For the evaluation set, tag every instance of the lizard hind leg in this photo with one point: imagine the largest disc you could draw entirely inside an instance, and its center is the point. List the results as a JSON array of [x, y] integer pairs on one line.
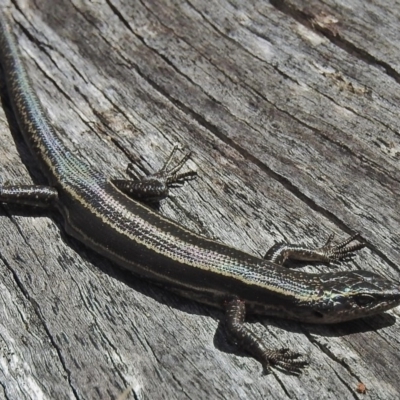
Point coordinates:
[[155, 187]]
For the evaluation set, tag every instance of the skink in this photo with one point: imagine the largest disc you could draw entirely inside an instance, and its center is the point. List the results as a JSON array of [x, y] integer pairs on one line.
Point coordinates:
[[110, 217]]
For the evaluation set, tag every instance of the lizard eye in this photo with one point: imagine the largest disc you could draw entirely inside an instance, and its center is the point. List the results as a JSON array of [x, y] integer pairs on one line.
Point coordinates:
[[364, 299]]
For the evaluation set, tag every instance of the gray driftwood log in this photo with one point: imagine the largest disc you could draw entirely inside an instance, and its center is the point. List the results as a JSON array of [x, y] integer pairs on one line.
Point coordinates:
[[292, 111]]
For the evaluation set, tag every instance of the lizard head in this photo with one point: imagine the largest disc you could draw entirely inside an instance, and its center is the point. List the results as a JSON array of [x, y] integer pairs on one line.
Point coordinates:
[[351, 295]]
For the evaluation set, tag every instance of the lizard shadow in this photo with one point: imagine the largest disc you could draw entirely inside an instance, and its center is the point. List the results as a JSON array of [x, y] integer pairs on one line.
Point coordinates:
[[309, 331], [362, 325]]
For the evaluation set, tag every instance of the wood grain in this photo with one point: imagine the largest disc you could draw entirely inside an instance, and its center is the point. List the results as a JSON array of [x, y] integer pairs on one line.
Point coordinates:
[[291, 110]]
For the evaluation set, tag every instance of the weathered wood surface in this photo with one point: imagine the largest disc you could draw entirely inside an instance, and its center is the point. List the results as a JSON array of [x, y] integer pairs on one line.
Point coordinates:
[[291, 109]]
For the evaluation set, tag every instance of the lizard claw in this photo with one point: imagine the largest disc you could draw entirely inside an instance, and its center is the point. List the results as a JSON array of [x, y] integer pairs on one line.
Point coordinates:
[[285, 359], [341, 251], [170, 174]]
